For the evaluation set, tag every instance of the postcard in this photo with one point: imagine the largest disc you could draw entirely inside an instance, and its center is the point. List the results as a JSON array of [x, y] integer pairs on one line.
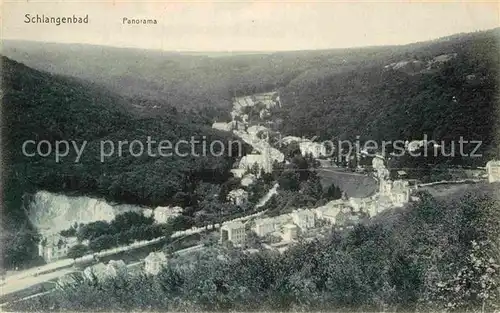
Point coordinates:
[[331, 156]]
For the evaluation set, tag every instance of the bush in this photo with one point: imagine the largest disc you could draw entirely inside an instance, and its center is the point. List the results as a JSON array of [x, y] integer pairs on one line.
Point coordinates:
[[77, 251], [102, 243]]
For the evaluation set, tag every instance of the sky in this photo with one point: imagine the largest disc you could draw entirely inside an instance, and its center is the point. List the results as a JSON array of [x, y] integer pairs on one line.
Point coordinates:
[[249, 26]]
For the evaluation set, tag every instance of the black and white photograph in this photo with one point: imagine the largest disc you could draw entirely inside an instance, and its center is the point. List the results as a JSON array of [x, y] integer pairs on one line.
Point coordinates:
[[250, 156]]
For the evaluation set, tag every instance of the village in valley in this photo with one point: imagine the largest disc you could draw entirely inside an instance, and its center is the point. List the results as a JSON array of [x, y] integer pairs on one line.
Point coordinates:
[[250, 233]]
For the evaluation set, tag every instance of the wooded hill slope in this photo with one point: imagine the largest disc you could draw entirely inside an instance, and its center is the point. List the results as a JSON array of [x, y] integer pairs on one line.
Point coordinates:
[[41, 106], [443, 89]]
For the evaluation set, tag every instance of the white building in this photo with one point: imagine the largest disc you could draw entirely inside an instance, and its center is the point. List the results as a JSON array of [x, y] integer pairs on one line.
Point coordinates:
[[493, 171], [357, 204], [365, 205], [262, 146], [246, 101], [402, 174], [266, 100], [268, 225], [328, 215], [306, 146], [378, 165], [329, 211], [264, 226], [154, 263], [304, 219], [290, 232], [385, 187], [233, 232], [372, 207], [238, 196], [397, 191], [240, 102], [223, 126], [238, 125], [378, 162], [314, 148]]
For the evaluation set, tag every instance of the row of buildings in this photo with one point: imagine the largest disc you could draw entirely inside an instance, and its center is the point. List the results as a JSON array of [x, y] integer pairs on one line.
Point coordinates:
[[336, 212], [286, 226], [152, 265]]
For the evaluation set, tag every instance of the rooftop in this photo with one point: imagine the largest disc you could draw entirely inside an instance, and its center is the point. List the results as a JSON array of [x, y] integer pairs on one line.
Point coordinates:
[[233, 225]]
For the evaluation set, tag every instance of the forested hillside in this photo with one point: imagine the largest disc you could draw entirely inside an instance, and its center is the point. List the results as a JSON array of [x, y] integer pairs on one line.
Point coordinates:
[[443, 89], [433, 256]]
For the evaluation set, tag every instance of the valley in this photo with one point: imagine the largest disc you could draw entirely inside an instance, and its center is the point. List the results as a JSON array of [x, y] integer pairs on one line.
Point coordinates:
[[287, 222]]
